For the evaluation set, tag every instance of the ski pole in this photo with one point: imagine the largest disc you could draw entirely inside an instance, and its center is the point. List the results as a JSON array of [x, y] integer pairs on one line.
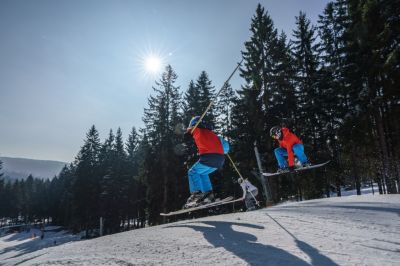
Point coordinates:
[[234, 166], [212, 101]]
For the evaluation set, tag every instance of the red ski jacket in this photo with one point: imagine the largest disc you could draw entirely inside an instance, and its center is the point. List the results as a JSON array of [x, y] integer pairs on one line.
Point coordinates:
[[207, 141], [289, 139]]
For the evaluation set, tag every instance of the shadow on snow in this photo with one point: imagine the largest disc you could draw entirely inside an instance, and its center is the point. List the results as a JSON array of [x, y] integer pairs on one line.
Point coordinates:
[[244, 245]]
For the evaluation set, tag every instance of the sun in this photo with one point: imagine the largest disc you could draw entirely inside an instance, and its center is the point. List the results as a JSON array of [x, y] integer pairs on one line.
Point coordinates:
[[149, 62], [153, 64]]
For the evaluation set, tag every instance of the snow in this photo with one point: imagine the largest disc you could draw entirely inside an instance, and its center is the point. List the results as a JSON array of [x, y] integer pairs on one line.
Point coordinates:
[[352, 230], [15, 245], [364, 190]]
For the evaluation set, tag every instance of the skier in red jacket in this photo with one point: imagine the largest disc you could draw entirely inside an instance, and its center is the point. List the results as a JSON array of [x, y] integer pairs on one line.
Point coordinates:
[[211, 149], [289, 145]]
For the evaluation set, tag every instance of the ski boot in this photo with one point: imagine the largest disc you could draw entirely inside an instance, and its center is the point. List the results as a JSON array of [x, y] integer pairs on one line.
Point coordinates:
[[207, 197], [283, 170], [193, 200]]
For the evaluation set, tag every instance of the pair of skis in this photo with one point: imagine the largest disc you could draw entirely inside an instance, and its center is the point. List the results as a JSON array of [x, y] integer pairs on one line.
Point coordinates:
[[220, 202]]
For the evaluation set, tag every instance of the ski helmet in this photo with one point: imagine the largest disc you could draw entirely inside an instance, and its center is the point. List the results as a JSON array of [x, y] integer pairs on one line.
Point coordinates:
[[275, 131], [202, 124], [193, 121]]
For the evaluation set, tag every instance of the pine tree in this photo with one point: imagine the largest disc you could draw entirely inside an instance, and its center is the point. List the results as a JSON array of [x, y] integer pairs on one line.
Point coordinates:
[[310, 117], [192, 105], [332, 28], [106, 155], [223, 110], [306, 66], [258, 72], [2, 191], [123, 177], [1, 167], [16, 201], [110, 183], [27, 188], [86, 188], [136, 190], [259, 57], [61, 199], [283, 107], [163, 187], [206, 94], [131, 148], [146, 168], [257, 107]]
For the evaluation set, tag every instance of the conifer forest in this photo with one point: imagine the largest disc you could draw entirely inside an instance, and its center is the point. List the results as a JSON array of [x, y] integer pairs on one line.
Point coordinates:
[[335, 84]]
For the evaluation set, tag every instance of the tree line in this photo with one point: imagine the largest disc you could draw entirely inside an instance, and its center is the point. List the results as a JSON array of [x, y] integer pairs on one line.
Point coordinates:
[[334, 84]]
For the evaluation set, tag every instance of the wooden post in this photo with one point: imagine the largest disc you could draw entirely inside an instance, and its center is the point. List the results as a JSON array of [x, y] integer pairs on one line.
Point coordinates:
[[263, 179], [101, 226]]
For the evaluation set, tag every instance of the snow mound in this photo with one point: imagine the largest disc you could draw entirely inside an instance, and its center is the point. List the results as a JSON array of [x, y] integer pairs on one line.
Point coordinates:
[[353, 230]]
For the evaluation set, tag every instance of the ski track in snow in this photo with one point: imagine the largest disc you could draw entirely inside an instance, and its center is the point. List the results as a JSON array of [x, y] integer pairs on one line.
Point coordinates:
[[354, 230]]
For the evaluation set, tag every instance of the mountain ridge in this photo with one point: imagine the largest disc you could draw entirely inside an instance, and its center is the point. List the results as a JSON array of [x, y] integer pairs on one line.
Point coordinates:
[[21, 168]]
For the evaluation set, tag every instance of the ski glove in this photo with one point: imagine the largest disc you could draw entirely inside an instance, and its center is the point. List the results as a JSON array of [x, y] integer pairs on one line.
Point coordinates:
[[187, 136]]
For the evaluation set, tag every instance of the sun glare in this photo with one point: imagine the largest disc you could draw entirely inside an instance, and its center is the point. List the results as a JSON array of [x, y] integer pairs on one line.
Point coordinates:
[[153, 64], [150, 62]]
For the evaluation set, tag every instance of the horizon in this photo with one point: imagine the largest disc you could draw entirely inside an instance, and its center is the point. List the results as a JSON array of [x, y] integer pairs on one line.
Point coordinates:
[[23, 158]]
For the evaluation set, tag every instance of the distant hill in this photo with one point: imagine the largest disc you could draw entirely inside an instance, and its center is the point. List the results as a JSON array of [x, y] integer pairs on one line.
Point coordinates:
[[21, 168]]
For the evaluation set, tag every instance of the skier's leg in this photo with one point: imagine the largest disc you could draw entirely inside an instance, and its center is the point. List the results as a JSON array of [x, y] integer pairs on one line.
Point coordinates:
[[204, 172], [194, 177], [200, 181], [280, 154], [298, 150]]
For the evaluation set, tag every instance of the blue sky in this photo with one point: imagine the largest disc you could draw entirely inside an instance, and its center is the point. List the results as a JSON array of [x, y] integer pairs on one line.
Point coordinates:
[[66, 65]]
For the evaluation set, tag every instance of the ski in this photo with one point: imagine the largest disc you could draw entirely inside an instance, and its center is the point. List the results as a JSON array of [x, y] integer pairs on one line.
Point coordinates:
[[297, 169], [226, 200]]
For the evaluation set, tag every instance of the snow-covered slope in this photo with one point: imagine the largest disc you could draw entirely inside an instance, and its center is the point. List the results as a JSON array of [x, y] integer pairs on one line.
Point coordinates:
[[354, 230]]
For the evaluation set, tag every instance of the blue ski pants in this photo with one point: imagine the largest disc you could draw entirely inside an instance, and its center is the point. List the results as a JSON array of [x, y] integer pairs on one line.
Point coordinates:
[[281, 154], [199, 179]]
